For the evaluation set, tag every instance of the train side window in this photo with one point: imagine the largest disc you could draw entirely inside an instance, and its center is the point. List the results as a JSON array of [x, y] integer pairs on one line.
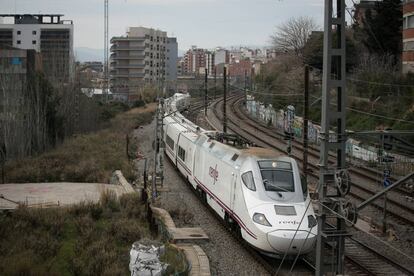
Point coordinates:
[[304, 184], [170, 142], [181, 153], [248, 181]]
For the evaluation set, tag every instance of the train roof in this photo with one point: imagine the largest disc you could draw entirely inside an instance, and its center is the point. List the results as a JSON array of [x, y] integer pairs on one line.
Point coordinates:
[[262, 152]]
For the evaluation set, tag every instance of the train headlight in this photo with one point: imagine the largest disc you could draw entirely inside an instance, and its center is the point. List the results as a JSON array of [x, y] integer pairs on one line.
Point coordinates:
[[261, 219]]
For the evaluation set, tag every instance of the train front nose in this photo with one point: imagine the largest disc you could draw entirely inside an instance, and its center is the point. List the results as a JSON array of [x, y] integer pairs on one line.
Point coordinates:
[[281, 241]]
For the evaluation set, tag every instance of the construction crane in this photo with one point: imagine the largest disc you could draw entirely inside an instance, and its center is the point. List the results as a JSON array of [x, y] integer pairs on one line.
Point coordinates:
[[106, 52]]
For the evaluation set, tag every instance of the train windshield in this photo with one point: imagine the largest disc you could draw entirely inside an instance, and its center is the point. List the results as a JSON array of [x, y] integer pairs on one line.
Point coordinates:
[[277, 176]]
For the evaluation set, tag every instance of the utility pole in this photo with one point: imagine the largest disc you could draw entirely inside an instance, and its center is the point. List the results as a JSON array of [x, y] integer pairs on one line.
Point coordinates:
[[305, 123], [251, 79], [245, 87], [215, 81], [106, 50], [158, 176], [205, 92], [333, 119], [225, 99]]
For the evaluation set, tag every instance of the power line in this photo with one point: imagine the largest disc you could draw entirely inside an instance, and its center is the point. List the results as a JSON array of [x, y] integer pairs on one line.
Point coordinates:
[[376, 115]]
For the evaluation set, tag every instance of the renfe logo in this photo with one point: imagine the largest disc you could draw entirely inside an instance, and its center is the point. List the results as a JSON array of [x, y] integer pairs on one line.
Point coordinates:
[[213, 173]]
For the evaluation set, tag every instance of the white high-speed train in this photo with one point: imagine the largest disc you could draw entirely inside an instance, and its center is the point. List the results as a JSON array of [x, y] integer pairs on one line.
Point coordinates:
[[259, 192]]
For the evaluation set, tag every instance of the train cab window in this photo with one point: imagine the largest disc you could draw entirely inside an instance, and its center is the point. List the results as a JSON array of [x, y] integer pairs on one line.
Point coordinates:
[[248, 181], [181, 153], [170, 142], [277, 176]]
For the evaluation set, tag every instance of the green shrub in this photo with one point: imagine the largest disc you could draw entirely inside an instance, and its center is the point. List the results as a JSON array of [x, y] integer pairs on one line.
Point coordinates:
[[109, 200]]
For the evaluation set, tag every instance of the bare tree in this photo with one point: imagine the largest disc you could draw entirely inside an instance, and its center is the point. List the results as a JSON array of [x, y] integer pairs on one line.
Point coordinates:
[[291, 36]]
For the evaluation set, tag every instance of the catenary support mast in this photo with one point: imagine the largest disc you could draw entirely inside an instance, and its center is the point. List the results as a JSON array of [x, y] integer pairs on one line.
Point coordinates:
[[333, 138]]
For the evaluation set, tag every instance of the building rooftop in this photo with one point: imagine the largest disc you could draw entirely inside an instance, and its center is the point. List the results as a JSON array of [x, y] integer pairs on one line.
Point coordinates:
[[35, 19]]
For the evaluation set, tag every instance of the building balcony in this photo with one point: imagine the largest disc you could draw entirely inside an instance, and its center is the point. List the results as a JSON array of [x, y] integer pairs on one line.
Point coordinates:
[[128, 66], [115, 48], [123, 75], [121, 38], [126, 57]]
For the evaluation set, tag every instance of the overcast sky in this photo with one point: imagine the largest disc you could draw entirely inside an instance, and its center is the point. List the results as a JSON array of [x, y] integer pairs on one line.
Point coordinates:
[[205, 23]]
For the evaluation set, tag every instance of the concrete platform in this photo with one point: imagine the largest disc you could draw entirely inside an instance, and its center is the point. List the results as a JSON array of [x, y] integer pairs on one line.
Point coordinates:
[[189, 235], [54, 194], [183, 235], [197, 258]]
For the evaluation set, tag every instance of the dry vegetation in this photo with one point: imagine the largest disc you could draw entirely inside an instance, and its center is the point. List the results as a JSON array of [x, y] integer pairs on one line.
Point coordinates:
[[84, 158], [86, 239]]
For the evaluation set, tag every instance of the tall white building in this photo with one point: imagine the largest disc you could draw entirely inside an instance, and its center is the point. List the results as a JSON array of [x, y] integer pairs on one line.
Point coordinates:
[[48, 35], [136, 59], [221, 56]]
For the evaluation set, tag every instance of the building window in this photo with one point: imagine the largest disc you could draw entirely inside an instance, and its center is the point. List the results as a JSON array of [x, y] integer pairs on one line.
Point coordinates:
[[19, 42], [19, 32], [181, 153], [34, 32], [33, 42], [408, 22], [409, 46]]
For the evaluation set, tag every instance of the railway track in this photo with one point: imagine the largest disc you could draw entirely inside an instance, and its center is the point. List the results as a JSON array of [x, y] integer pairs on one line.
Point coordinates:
[[361, 259], [358, 168], [400, 211], [372, 262]]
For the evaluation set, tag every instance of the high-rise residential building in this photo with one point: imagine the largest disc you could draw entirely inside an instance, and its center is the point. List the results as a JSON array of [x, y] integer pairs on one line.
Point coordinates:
[[137, 59], [196, 60], [408, 36], [172, 58], [48, 35], [210, 62]]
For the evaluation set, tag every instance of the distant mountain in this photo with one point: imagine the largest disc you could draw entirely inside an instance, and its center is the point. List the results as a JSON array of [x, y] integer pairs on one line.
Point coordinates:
[[83, 54]]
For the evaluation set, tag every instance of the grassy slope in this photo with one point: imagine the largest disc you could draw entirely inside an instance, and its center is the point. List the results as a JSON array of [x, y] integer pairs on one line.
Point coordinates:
[[84, 158], [86, 239]]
